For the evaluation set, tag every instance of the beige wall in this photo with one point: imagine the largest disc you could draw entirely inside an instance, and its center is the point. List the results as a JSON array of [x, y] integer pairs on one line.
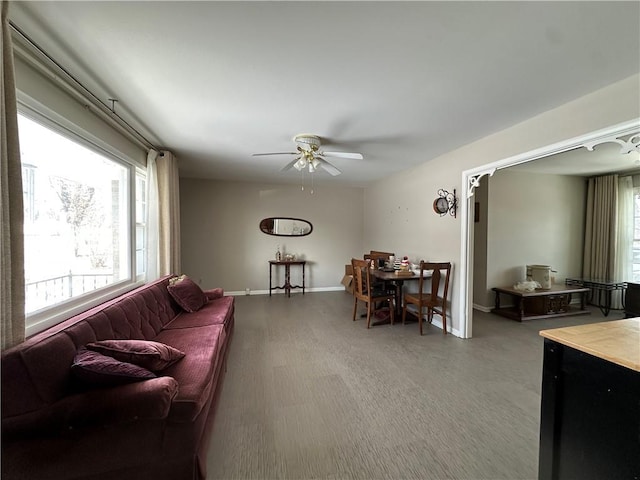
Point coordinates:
[[533, 219], [223, 247], [398, 210]]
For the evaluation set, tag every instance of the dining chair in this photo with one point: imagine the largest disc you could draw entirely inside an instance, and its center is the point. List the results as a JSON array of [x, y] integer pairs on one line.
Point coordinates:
[[366, 291], [430, 300], [377, 257], [385, 255]]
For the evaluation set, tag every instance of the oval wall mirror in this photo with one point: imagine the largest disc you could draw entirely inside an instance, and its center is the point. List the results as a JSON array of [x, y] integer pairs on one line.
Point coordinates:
[[285, 226]]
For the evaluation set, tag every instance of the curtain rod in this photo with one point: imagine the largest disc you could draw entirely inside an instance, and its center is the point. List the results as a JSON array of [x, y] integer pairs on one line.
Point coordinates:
[[82, 91]]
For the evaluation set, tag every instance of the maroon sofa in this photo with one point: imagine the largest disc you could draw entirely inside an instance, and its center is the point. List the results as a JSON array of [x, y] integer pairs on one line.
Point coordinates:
[[152, 429]]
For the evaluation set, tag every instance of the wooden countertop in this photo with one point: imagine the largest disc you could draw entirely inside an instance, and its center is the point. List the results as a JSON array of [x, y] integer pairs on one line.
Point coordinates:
[[617, 341]]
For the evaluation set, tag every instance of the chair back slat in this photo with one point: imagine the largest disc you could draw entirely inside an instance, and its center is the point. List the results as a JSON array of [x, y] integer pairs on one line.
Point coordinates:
[[435, 282]]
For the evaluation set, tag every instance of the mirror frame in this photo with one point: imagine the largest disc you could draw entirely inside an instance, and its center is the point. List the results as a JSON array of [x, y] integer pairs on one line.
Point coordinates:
[[284, 234]]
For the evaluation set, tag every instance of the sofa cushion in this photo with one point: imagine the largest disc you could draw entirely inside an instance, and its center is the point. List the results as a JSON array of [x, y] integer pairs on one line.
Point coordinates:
[[154, 356], [195, 373], [216, 312], [96, 369], [187, 293]]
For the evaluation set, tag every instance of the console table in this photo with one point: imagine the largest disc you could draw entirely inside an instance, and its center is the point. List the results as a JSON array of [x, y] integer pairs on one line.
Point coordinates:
[[554, 302], [287, 275], [604, 289]]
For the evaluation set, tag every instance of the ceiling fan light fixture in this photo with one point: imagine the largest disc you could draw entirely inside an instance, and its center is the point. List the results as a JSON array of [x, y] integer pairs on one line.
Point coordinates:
[[300, 164]]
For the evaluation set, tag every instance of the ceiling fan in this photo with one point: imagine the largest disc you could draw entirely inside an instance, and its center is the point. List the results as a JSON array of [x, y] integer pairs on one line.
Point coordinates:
[[309, 155]]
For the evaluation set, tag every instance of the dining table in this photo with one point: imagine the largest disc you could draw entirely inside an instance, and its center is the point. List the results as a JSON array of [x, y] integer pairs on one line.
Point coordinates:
[[397, 278]]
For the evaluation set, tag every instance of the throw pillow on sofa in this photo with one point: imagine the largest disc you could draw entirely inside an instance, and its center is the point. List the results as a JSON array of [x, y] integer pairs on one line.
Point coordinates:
[[96, 369], [154, 356], [187, 293]]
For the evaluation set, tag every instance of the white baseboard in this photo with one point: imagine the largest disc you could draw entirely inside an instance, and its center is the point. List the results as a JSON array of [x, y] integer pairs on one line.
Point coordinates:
[[482, 308], [293, 290], [452, 331]]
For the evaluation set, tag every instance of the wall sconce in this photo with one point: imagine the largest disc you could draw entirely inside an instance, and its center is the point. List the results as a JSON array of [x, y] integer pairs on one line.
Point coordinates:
[[446, 202]]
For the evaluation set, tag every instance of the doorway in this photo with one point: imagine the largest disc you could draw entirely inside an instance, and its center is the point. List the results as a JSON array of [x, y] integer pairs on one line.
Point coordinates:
[[472, 178]]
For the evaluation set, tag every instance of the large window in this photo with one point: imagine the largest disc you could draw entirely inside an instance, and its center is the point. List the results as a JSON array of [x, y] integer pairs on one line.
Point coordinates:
[[78, 231]]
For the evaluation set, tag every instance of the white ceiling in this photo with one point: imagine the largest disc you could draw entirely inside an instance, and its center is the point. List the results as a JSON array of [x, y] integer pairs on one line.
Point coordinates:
[[400, 82]]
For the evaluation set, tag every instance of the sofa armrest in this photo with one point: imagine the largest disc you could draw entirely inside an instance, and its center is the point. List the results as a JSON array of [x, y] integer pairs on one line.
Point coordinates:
[[214, 293], [146, 400], [149, 400]]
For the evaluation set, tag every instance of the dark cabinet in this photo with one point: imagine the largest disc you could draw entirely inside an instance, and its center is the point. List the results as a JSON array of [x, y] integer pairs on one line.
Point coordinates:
[[590, 415], [632, 301]]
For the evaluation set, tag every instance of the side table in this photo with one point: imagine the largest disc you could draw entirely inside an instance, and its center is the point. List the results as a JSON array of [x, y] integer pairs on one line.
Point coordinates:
[[603, 288], [287, 275]]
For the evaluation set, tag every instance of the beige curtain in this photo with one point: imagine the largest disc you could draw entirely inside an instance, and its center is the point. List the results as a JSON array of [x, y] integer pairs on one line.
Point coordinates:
[[11, 210], [623, 266], [152, 239], [601, 227], [169, 213]]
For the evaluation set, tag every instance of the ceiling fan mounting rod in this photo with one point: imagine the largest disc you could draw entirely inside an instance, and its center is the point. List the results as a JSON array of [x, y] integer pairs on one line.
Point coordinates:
[[311, 142]]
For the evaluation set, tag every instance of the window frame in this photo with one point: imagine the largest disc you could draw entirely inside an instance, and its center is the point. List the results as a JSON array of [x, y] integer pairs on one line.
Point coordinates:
[[46, 317], [636, 224], [140, 174]]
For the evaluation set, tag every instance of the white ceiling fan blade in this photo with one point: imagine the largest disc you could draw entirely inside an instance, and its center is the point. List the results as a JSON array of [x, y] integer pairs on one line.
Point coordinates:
[[274, 153], [290, 165], [355, 156], [328, 167]]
